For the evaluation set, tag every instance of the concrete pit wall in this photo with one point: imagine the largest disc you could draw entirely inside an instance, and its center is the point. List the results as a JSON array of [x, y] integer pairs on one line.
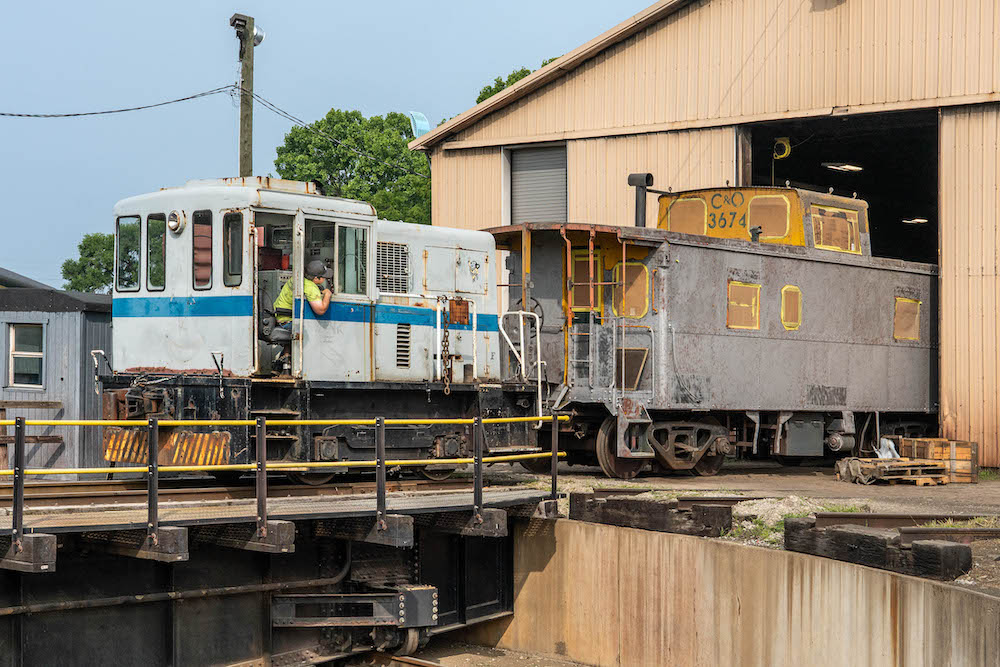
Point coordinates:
[[604, 595]]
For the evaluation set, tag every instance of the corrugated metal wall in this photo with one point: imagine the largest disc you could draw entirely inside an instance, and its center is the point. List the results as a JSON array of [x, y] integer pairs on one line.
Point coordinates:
[[728, 61], [96, 335], [467, 188], [970, 289], [598, 169]]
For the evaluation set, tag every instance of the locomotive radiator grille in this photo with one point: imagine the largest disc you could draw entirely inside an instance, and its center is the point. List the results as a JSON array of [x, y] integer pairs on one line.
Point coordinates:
[[392, 267]]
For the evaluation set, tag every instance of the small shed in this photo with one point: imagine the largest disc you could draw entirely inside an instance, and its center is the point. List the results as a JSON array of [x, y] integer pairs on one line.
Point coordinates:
[[47, 371]]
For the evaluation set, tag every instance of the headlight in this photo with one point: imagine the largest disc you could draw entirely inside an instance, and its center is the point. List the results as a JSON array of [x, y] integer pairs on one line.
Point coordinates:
[[175, 222]]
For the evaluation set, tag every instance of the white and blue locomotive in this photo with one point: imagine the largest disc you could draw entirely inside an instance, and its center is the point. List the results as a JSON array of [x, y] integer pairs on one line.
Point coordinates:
[[412, 329]]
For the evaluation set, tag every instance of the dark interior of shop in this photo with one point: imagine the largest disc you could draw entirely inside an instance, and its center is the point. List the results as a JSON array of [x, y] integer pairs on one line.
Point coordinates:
[[890, 160]]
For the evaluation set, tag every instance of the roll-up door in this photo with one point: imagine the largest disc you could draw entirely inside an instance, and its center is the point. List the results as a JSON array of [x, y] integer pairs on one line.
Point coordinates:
[[538, 185]]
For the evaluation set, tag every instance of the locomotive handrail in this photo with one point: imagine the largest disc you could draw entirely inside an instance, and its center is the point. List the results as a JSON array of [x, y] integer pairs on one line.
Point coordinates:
[[519, 352], [20, 471]]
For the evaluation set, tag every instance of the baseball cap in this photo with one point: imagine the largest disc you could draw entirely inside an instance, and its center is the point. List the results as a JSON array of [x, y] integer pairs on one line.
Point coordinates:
[[317, 268]]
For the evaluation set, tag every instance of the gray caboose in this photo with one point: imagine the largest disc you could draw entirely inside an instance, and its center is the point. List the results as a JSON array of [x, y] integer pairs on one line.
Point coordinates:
[[750, 318]]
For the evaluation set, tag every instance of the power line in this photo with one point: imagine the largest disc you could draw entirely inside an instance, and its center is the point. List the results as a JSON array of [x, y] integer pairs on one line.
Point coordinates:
[[312, 128], [214, 91]]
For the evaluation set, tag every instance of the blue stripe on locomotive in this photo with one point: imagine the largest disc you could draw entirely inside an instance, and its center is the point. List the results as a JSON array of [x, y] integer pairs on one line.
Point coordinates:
[[242, 306]]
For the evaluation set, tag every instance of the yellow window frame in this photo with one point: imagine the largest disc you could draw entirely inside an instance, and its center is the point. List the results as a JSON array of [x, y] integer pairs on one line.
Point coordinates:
[[788, 215], [598, 278], [754, 305], [617, 278], [785, 320], [855, 226], [895, 311], [704, 219]]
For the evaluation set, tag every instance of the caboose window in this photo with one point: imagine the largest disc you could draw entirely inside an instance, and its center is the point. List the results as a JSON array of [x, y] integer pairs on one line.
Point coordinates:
[[791, 307], [835, 229], [27, 350], [156, 251], [127, 262], [632, 298], [232, 249], [906, 320], [688, 216], [201, 249], [352, 260], [743, 305], [770, 213]]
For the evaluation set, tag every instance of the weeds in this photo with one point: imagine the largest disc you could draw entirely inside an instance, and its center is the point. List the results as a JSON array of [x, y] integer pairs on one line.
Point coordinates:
[[974, 522], [989, 474]]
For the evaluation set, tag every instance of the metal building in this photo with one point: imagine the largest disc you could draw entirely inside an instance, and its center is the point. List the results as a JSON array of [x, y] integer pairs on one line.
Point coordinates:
[[896, 100], [48, 373]]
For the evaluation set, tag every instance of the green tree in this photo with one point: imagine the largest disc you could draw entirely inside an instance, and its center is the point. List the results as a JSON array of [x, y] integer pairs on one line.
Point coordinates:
[[491, 89], [371, 162], [92, 270]]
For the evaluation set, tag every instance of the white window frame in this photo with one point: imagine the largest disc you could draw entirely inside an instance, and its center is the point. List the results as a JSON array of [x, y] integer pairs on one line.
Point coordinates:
[[12, 354], [370, 243]]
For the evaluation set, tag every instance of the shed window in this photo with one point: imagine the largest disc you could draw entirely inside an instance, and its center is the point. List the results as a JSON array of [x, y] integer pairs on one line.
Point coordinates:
[[127, 262], [582, 283], [688, 216], [232, 249], [27, 349], [352, 260], [392, 266], [634, 302], [791, 307], [743, 305], [201, 245], [156, 251], [770, 213], [835, 229], [906, 321]]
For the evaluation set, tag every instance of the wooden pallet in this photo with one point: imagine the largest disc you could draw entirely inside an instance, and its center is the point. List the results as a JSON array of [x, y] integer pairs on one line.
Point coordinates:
[[960, 457], [921, 472]]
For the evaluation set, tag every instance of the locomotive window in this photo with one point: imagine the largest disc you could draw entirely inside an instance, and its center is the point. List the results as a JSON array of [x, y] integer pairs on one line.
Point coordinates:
[[352, 260], [791, 307], [581, 282], [232, 249], [635, 302], [127, 264], [743, 305], [688, 216], [906, 322], [770, 213], [201, 249], [156, 251], [835, 229]]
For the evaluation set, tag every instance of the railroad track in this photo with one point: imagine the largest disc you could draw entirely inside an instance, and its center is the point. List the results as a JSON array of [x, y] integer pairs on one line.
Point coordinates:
[[113, 492]]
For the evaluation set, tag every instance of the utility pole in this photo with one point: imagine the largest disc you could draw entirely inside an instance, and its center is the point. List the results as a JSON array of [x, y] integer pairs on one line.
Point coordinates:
[[249, 37]]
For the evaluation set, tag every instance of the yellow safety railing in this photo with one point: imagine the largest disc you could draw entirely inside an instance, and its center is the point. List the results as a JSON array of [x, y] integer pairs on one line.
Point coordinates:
[[466, 421]]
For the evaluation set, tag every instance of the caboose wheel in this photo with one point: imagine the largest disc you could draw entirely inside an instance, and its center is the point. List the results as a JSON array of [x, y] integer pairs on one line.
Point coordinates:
[[437, 473], [607, 457], [709, 465], [311, 478]]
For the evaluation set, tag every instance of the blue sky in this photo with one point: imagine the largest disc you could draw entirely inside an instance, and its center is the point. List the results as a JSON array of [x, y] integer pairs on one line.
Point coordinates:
[[60, 178]]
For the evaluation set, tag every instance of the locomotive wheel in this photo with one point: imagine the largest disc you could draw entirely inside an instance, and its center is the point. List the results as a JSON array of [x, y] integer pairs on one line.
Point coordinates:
[[437, 473], [607, 457], [312, 478]]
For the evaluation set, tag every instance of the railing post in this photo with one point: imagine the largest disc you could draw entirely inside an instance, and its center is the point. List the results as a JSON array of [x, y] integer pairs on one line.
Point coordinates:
[[17, 525], [380, 472], [477, 469], [261, 485], [555, 455], [152, 480]]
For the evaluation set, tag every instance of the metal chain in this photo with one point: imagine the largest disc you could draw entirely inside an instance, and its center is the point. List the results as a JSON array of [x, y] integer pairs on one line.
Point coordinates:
[[446, 354]]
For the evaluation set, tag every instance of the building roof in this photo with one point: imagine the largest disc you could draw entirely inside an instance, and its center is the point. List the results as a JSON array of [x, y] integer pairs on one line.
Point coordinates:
[[10, 279], [550, 72], [48, 300]]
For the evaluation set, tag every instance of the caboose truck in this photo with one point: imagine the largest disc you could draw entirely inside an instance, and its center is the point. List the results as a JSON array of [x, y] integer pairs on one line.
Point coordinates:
[[411, 332], [752, 318]]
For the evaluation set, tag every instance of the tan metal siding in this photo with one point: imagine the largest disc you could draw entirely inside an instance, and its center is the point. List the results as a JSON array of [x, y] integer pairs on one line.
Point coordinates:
[[723, 62], [970, 289], [597, 170], [466, 188]]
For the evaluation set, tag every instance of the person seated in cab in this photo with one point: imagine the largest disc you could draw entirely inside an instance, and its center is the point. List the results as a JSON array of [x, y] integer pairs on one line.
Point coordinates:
[[316, 274]]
